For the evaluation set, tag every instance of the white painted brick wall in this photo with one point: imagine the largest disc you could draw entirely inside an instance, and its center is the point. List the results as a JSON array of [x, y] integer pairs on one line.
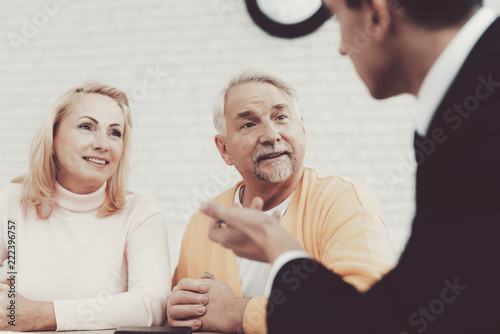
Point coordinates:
[[174, 157]]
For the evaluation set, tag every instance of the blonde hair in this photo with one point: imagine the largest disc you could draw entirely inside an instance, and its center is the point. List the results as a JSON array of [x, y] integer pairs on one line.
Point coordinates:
[[250, 74], [40, 180]]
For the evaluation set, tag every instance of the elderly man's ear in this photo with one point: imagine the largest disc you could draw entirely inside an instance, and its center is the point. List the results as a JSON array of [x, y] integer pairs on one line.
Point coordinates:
[[220, 142]]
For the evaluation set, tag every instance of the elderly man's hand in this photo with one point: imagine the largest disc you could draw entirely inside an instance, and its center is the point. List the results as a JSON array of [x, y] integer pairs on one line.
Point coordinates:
[[249, 232], [225, 310], [186, 303]]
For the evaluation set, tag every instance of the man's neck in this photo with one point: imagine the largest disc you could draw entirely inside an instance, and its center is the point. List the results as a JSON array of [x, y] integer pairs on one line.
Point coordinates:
[[421, 48], [273, 194]]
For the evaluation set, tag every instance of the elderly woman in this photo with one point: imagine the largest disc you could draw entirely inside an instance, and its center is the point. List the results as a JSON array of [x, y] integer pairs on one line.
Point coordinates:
[[78, 250]]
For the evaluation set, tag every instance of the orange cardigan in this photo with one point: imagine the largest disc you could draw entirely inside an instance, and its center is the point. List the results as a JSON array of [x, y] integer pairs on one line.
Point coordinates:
[[337, 221]]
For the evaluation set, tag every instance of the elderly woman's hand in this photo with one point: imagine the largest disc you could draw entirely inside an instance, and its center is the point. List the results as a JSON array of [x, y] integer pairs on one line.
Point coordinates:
[[18, 313]]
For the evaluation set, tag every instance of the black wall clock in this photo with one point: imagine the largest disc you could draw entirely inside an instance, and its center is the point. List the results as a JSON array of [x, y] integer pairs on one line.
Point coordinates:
[[288, 18]]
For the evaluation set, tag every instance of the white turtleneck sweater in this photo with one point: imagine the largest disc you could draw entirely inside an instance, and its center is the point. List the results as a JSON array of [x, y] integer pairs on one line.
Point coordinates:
[[99, 272]]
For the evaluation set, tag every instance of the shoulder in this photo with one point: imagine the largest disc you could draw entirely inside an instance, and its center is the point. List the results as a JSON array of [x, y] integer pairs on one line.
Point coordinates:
[[10, 202], [11, 194], [329, 189], [141, 205], [13, 189], [226, 198]]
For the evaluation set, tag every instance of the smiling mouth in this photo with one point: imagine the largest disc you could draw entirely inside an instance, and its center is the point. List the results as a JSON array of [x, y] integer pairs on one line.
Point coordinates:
[[272, 155], [97, 161]]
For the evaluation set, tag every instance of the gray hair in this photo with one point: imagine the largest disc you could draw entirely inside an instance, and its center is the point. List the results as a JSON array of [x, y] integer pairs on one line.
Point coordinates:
[[251, 74]]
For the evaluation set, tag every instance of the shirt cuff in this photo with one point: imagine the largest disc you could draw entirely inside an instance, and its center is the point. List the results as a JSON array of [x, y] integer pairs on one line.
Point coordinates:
[[280, 262]]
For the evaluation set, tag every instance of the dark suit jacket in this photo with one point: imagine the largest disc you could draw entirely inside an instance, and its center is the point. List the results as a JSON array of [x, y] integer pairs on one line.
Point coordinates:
[[448, 277]]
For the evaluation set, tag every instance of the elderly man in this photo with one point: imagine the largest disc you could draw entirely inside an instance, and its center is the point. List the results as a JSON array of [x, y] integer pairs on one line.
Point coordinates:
[[447, 53], [337, 220]]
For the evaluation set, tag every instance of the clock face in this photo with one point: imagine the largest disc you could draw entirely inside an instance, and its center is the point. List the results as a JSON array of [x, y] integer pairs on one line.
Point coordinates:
[[289, 11], [288, 18]]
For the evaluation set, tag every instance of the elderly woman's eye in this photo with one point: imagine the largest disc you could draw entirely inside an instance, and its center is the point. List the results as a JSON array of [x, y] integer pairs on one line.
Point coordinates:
[[85, 126], [116, 133]]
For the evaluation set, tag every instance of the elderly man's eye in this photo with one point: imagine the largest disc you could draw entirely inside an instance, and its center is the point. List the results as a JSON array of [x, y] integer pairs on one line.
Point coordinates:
[[247, 125]]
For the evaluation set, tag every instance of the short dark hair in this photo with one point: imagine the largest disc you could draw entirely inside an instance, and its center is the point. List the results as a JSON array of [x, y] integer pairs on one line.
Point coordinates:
[[432, 13]]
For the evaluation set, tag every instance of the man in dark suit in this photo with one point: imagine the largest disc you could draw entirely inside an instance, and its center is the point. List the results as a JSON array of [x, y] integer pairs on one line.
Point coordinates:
[[446, 52]]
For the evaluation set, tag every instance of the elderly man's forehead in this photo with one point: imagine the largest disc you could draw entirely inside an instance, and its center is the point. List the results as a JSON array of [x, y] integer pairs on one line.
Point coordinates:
[[256, 93]]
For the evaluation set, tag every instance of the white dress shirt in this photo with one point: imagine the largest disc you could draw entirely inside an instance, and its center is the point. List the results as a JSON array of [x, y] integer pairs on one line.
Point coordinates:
[[448, 64]]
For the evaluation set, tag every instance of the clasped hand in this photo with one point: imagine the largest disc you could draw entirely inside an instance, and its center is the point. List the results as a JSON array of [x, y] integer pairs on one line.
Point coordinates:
[[207, 304]]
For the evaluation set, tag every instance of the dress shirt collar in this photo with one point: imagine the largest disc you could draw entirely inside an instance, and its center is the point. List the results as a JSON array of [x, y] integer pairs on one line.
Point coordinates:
[[448, 64]]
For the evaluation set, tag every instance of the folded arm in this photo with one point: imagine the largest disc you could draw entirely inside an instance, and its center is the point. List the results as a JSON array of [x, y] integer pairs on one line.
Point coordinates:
[[144, 303]]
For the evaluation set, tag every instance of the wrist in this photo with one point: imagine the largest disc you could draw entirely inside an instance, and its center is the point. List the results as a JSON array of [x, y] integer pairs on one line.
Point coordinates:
[[44, 316], [238, 307], [280, 242]]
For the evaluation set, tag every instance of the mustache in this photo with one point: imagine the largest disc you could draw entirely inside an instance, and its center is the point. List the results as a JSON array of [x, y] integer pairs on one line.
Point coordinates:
[[270, 149]]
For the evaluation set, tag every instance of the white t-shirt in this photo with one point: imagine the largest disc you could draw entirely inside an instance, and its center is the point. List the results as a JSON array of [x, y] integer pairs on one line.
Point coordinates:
[[253, 274]]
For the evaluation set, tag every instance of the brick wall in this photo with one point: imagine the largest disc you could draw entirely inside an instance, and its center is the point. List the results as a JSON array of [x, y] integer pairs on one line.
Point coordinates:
[[192, 47]]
